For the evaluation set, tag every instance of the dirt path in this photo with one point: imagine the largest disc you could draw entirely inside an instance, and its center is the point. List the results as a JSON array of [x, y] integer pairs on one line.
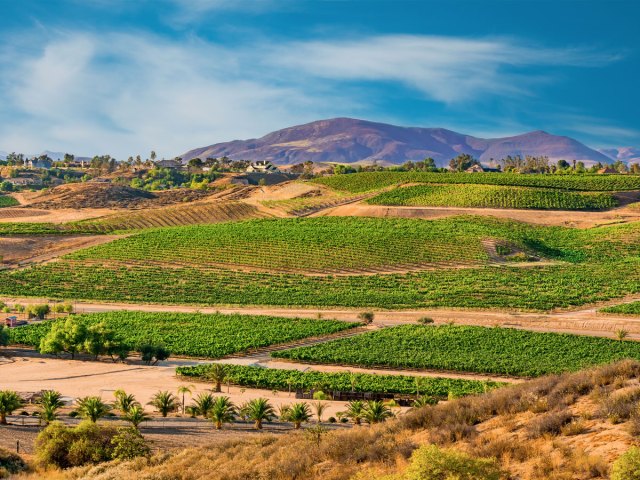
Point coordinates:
[[540, 217], [583, 321]]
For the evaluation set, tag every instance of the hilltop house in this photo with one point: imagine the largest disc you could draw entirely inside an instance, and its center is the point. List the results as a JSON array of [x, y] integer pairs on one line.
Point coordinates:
[[175, 164], [477, 168], [262, 166], [39, 163], [607, 170]]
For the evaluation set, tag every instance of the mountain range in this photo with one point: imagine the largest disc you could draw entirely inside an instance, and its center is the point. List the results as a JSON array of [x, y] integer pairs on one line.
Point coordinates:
[[353, 141]]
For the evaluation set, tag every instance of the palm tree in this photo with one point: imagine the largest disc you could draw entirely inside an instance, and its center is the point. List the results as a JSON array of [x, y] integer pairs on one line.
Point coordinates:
[[222, 411], [182, 390], [203, 404], [217, 374], [92, 408], [423, 401], [50, 403], [9, 401], [260, 410], [621, 334], [355, 411], [164, 402], [298, 413], [375, 411], [319, 407], [124, 402], [136, 415]]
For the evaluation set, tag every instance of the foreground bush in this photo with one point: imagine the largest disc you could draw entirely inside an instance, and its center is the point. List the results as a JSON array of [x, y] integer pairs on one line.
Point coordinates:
[[88, 443], [627, 466], [10, 464], [433, 463]]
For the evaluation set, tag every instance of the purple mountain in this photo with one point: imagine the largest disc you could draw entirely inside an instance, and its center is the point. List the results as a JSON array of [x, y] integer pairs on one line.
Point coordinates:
[[347, 140]]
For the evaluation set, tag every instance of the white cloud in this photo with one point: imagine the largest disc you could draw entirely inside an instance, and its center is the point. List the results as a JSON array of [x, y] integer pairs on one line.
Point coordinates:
[[124, 94], [446, 69]]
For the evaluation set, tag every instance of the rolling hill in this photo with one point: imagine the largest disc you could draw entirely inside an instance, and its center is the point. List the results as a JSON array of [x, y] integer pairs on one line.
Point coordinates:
[[347, 140]]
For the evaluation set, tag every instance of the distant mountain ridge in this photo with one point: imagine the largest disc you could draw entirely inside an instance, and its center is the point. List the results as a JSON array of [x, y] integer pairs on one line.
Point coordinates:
[[347, 140]]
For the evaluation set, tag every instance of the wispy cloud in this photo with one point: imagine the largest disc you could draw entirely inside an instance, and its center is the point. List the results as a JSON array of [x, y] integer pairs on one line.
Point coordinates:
[[447, 69], [125, 93]]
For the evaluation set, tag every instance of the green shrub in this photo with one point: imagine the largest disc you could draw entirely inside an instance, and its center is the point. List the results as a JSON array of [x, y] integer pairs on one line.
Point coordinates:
[[88, 443], [10, 463], [627, 466], [433, 463]]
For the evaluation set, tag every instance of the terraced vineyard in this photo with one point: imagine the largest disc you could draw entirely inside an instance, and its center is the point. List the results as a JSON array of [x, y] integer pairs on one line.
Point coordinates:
[[158, 266], [284, 380], [6, 201], [632, 308], [490, 196], [369, 181], [471, 349], [191, 214], [305, 205], [199, 335], [323, 246]]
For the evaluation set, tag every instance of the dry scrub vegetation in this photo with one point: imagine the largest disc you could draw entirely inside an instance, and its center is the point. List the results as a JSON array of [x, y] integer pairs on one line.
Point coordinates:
[[566, 426]]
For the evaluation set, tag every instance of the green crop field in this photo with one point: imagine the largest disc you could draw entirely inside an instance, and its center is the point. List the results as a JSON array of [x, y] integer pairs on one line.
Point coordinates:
[[6, 201], [472, 349], [370, 181], [199, 335], [285, 380], [632, 308], [172, 265], [492, 196]]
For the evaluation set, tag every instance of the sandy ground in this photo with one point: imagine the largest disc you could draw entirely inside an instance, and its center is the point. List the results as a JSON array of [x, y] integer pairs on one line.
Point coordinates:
[[539, 217], [23, 250], [36, 215]]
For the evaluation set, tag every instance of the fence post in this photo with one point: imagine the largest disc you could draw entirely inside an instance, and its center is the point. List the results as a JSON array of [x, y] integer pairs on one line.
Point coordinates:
[[17, 446]]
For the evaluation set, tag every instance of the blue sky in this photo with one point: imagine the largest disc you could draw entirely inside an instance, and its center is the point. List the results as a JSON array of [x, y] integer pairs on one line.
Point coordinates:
[[124, 77]]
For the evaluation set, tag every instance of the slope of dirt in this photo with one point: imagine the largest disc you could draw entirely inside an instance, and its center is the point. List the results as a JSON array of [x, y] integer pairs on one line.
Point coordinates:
[[565, 427], [107, 195]]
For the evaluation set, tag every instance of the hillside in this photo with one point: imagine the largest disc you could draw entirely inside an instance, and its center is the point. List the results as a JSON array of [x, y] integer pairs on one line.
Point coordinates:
[[563, 427], [346, 140]]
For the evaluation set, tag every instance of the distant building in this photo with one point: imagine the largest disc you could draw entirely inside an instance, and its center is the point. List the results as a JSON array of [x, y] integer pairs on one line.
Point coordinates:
[[607, 170], [39, 163], [477, 168], [24, 181], [262, 166], [169, 164]]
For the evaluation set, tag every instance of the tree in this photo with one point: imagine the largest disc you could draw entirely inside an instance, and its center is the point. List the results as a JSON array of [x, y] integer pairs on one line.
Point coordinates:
[[563, 164], [153, 156], [621, 334], [627, 466], [101, 340], [423, 401], [366, 317], [50, 403], [136, 415], [124, 402], [217, 374], [184, 389], [92, 408], [9, 402], [38, 311], [433, 463], [462, 162], [128, 444], [319, 407], [164, 402], [203, 404], [355, 411], [375, 411], [260, 410], [222, 411], [297, 414], [195, 163], [67, 337], [152, 354]]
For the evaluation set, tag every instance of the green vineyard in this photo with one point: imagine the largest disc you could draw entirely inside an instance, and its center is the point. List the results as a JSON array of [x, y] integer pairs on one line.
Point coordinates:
[[290, 380], [6, 201], [369, 181], [497, 350], [198, 335], [490, 196], [632, 308], [219, 265]]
